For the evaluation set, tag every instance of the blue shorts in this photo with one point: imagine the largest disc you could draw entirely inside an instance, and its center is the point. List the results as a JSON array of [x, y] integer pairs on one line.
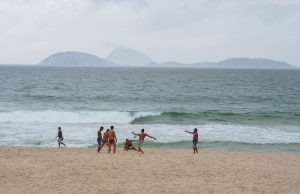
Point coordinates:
[[99, 141], [195, 144]]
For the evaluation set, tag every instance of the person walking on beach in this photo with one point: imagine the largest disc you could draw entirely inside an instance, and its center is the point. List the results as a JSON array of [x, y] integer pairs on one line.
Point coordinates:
[[195, 139], [142, 136], [112, 139], [60, 137], [99, 139]]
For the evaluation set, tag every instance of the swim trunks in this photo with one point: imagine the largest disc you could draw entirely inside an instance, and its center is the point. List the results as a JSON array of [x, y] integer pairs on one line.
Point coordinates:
[[195, 143], [140, 143], [99, 141], [111, 141]]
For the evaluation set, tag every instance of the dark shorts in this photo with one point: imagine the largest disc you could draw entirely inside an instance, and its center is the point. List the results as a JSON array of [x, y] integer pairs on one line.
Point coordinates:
[[111, 141], [99, 141], [195, 144]]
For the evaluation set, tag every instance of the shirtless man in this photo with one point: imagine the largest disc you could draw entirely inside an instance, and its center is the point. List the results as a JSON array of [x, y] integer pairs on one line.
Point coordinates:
[[128, 145], [195, 139], [142, 136], [112, 139], [105, 139], [99, 139]]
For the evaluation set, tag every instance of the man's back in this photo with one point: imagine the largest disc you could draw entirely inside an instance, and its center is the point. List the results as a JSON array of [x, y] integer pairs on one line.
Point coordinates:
[[111, 134]]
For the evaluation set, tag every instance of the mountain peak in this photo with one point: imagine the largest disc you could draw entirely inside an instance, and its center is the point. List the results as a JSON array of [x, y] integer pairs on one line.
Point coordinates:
[[126, 56]]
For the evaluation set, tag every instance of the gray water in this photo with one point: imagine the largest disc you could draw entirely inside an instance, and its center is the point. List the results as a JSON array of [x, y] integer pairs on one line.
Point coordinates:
[[233, 109]]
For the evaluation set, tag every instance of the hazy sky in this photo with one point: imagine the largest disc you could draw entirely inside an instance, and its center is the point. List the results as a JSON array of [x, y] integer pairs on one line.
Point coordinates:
[[179, 30]]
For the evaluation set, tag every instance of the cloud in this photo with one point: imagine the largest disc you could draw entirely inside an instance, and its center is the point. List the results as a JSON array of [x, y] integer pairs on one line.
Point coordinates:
[[186, 31]]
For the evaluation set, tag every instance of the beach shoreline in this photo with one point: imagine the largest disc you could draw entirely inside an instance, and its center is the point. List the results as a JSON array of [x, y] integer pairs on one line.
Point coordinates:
[[82, 170]]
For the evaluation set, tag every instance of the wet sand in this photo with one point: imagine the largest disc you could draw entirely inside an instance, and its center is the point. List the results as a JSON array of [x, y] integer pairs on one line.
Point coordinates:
[[82, 170]]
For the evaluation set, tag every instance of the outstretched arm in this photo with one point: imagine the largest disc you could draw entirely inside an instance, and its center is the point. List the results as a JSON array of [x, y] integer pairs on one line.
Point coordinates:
[[189, 132], [150, 136], [134, 133]]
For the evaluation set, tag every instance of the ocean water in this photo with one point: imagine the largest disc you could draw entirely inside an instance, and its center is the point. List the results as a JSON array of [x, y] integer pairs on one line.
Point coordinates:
[[232, 109]]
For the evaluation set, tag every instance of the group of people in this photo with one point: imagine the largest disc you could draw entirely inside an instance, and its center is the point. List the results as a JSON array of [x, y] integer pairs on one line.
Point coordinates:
[[109, 139]]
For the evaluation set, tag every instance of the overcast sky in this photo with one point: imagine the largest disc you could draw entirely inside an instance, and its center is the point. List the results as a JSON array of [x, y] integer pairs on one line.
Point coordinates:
[[178, 30]]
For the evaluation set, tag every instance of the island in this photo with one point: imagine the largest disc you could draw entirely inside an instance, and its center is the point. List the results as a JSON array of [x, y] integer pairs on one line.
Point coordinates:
[[124, 57], [75, 58]]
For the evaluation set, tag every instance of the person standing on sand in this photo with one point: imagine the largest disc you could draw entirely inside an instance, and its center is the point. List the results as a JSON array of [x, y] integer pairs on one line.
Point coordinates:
[[99, 139], [142, 136], [112, 139], [195, 139], [60, 137], [105, 139]]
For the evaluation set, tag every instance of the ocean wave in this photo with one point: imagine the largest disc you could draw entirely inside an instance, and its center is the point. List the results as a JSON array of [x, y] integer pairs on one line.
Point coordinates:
[[168, 118], [71, 117], [216, 116]]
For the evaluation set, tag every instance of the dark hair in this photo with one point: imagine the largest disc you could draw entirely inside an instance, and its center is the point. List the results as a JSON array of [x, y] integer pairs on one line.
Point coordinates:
[[111, 127], [195, 130], [107, 130], [143, 130], [101, 127], [59, 128]]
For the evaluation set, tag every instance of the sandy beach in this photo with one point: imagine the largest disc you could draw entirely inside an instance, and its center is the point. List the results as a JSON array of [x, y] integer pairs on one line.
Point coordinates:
[[82, 170]]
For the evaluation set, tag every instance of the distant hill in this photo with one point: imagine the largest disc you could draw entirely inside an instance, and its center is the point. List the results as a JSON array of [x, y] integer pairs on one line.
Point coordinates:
[[74, 58], [232, 63], [128, 57], [247, 63]]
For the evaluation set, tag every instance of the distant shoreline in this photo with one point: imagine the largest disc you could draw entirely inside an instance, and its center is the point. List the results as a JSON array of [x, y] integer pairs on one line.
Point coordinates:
[[206, 146], [143, 67]]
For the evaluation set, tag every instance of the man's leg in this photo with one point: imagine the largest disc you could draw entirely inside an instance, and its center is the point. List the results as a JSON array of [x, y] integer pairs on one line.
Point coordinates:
[[100, 145], [141, 150], [109, 147], [115, 147], [63, 143], [134, 148]]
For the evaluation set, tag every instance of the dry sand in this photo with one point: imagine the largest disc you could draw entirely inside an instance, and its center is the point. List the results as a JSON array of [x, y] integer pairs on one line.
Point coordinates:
[[82, 170]]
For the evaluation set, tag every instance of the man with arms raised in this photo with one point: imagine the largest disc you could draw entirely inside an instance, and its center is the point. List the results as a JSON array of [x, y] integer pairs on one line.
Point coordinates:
[[142, 136]]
